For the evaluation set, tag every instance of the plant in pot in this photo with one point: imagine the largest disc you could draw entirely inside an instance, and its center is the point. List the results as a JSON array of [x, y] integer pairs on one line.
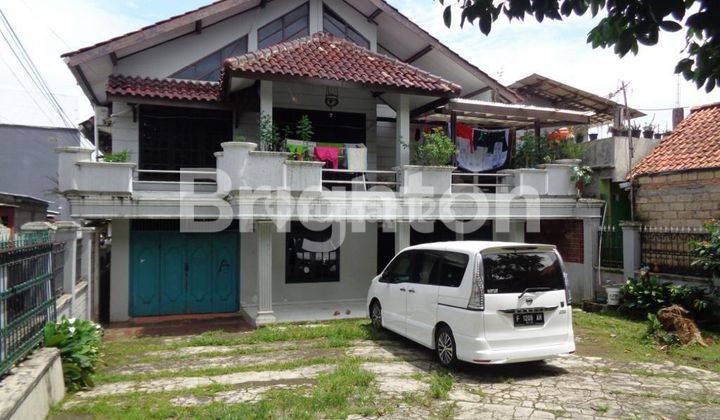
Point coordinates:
[[593, 136], [431, 171], [648, 131], [117, 157], [271, 137], [303, 172], [304, 133], [635, 130], [582, 176]]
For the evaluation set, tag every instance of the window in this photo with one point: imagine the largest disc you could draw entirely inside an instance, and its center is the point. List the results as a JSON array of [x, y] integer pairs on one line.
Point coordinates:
[[399, 269], [304, 263], [332, 23], [426, 268], [291, 26], [454, 265], [515, 272], [208, 68], [332, 127]]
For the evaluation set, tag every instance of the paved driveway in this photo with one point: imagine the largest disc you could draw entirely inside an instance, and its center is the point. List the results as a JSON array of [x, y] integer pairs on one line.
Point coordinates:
[[578, 387]]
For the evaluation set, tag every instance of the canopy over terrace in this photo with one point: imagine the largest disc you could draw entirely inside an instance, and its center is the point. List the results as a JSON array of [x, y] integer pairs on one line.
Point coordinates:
[[499, 115]]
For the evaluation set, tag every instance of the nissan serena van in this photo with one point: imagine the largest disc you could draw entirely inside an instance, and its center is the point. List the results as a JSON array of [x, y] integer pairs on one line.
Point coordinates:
[[480, 302]]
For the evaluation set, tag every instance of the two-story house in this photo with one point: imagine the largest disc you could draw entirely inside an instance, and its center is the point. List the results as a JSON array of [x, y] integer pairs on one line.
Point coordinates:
[[305, 239]]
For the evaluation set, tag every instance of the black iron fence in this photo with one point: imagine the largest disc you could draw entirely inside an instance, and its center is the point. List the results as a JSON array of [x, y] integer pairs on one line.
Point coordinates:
[[26, 294], [667, 250], [58, 266], [611, 246]]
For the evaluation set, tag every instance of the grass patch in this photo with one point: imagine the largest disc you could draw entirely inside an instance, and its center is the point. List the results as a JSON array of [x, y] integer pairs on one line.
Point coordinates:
[[613, 336], [440, 384]]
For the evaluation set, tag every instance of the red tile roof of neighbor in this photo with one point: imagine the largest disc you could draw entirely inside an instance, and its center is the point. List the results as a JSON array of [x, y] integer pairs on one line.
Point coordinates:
[[175, 89], [326, 57], [695, 144]]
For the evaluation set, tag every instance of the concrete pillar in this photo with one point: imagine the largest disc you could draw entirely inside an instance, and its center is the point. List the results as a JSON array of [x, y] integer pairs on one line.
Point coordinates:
[[86, 270], [120, 270], [402, 132], [591, 282], [266, 98], [509, 230], [265, 313], [69, 233], [631, 248], [402, 236]]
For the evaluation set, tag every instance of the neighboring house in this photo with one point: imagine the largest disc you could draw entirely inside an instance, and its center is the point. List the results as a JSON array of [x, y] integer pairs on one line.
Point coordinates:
[[17, 209], [29, 163], [172, 92], [678, 183]]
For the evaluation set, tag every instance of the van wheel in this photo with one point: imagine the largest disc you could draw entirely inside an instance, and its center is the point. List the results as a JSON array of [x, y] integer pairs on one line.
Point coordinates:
[[376, 315], [445, 346]]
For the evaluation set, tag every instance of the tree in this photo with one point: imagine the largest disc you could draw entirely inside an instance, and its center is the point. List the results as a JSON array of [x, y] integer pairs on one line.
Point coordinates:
[[628, 23]]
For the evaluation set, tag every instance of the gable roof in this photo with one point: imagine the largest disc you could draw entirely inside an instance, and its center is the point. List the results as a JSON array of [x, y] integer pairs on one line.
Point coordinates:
[[174, 89], [695, 144], [322, 56]]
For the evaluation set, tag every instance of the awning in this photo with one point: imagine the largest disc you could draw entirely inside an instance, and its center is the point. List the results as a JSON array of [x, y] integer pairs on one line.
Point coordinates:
[[495, 114]]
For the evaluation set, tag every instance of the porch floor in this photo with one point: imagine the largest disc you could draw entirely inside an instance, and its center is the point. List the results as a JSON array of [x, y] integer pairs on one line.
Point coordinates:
[[314, 311]]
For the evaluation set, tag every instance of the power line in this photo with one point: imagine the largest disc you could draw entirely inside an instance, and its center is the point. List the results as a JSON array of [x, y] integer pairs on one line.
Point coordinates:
[[20, 82]]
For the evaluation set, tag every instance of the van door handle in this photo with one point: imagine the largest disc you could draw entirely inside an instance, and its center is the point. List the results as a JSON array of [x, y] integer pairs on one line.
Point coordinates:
[[411, 290], [402, 289]]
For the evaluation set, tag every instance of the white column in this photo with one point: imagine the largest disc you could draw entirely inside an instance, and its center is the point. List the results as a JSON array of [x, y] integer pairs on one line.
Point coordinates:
[[402, 236], [590, 258], [120, 270], [266, 98], [508, 230], [402, 132], [69, 233], [265, 313], [631, 248], [87, 269]]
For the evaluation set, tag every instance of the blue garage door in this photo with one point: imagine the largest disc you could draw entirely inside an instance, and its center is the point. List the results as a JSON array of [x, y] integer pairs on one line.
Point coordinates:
[[183, 273]]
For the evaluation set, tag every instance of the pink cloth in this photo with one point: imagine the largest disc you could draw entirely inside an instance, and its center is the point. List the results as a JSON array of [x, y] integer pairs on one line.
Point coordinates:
[[328, 154]]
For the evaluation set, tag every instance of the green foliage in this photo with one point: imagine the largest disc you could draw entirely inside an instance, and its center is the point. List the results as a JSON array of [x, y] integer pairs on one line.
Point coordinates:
[[436, 149], [117, 157], [79, 345], [240, 138], [656, 332], [647, 294], [440, 384], [304, 129], [625, 24], [706, 254], [271, 137], [581, 174], [531, 151]]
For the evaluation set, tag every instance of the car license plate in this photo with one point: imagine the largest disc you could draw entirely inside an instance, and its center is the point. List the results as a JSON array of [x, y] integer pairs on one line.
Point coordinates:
[[530, 318]]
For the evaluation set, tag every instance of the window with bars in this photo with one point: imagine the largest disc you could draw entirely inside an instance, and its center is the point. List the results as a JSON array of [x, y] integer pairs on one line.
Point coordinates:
[[209, 67], [310, 255], [334, 24], [293, 25]]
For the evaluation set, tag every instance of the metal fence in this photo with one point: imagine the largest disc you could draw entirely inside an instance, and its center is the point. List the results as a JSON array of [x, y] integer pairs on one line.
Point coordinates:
[[26, 295], [667, 250], [78, 261], [58, 266], [611, 246]]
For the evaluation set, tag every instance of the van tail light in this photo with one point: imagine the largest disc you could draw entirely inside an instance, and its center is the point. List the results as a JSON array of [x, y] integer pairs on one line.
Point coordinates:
[[568, 296], [477, 294]]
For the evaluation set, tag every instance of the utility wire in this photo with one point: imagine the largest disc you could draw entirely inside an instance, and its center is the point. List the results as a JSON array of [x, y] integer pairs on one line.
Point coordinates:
[[32, 97]]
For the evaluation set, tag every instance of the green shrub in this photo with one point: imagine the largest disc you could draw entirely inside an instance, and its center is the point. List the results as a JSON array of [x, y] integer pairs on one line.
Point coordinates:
[[656, 332], [707, 253], [79, 345], [436, 149], [117, 157], [647, 294]]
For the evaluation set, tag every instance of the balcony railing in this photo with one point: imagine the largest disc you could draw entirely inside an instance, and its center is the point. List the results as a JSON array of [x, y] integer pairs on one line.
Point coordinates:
[[471, 181], [354, 180]]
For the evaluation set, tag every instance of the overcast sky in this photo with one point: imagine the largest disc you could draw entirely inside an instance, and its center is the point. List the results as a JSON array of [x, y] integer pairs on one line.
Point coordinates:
[[511, 51]]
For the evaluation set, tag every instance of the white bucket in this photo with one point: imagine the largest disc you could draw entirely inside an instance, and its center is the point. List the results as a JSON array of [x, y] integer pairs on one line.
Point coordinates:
[[613, 295]]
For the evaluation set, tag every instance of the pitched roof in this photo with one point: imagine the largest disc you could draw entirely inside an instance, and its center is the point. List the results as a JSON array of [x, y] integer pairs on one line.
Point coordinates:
[[695, 144], [176, 89], [322, 56]]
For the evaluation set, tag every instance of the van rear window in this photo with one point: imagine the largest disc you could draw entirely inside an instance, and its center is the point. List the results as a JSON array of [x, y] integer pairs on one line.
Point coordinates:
[[513, 272]]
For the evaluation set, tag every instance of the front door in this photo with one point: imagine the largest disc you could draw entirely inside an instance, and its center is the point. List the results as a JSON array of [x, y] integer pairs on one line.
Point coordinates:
[[183, 273]]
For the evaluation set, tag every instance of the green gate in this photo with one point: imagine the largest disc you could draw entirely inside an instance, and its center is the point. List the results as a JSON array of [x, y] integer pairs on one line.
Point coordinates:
[[183, 273]]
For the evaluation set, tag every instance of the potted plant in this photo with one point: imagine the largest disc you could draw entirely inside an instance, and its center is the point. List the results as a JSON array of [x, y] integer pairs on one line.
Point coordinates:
[[266, 166], [111, 175], [581, 176], [234, 161], [648, 131], [593, 136], [303, 173], [657, 136], [431, 171], [635, 130]]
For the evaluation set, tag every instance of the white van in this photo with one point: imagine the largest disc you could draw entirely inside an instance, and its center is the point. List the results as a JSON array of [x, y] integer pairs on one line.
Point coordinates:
[[480, 302]]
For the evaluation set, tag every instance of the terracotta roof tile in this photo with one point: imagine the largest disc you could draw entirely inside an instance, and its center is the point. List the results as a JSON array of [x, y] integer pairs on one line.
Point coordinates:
[[175, 89], [695, 144], [326, 57]]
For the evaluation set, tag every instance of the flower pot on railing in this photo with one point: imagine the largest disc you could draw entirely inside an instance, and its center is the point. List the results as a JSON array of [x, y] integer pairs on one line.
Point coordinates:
[[67, 157], [425, 180], [529, 180], [265, 170], [574, 162], [303, 175], [233, 164], [105, 177], [559, 177]]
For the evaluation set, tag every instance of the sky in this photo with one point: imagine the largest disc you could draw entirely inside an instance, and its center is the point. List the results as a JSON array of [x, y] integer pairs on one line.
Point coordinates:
[[512, 51]]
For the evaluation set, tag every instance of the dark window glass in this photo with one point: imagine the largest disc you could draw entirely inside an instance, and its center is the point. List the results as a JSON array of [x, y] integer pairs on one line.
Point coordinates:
[[426, 268], [291, 26], [332, 23], [454, 265], [517, 271], [331, 127], [208, 67], [305, 263], [399, 269]]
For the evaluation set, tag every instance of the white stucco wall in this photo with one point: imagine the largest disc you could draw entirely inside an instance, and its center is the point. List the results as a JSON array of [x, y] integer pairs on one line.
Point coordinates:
[[125, 131], [358, 261], [120, 271]]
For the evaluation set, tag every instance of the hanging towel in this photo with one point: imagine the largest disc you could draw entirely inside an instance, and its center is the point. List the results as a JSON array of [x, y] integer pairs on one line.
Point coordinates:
[[356, 157], [328, 154]]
